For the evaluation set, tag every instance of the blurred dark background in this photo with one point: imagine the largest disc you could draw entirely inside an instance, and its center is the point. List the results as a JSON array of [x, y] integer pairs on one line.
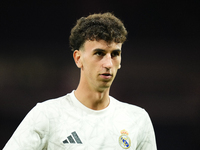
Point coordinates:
[[160, 61]]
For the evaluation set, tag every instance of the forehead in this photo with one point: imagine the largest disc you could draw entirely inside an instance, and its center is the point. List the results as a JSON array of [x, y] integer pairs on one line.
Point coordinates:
[[101, 44]]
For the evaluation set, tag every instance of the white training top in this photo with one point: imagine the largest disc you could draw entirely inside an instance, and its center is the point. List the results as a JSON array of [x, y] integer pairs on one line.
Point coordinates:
[[66, 124]]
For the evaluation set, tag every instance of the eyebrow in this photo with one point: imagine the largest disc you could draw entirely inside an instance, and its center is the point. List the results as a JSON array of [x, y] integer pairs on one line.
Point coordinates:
[[102, 50]]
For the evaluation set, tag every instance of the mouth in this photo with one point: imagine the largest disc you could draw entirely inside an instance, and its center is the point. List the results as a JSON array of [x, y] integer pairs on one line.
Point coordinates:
[[106, 75]]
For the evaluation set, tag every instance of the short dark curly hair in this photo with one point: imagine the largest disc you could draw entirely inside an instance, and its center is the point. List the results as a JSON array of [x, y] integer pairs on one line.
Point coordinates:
[[97, 27]]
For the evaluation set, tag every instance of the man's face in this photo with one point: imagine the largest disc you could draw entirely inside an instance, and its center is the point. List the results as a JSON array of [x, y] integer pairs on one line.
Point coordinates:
[[99, 62]]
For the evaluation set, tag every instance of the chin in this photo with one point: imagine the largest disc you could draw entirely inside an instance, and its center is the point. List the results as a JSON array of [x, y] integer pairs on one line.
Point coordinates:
[[105, 87]]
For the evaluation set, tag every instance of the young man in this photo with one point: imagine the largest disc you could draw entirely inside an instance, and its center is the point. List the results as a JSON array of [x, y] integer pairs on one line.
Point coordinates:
[[88, 118]]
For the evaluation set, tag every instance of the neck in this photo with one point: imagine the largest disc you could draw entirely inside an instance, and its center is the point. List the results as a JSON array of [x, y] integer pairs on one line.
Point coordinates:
[[93, 99]]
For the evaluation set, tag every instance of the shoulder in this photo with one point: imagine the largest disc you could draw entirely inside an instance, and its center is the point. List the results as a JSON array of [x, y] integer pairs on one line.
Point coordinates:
[[54, 101], [132, 114], [133, 111], [54, 107], [127, 106]]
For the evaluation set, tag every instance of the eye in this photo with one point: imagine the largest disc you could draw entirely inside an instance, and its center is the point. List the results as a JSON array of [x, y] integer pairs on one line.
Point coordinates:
[[99, 53], [115, 53]]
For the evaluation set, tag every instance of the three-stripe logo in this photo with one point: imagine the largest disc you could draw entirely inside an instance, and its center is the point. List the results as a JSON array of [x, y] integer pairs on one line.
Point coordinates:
[[74, 138]]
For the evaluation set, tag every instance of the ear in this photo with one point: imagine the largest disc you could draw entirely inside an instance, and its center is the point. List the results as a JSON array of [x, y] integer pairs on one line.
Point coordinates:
[[77, 56], [119, 66]]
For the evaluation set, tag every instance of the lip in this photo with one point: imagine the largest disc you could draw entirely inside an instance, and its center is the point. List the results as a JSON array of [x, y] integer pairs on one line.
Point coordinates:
[[106, 75]]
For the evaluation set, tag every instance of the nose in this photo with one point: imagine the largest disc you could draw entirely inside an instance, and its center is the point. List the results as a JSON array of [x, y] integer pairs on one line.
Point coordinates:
[[107, 61]]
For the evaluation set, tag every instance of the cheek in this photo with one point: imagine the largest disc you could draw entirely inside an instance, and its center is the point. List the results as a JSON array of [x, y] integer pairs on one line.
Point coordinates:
[[89, 68], [118, 63], [85, 64]]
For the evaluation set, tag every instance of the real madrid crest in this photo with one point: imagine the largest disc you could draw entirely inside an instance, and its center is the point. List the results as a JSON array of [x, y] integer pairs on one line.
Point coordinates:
[[124, 140]]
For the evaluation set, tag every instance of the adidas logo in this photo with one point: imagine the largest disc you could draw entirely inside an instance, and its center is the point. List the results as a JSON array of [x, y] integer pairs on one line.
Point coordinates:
[[73, 139]]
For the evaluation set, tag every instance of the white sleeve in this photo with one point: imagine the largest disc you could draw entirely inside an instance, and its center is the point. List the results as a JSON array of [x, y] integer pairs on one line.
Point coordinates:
[[32, 133], [148, 140]]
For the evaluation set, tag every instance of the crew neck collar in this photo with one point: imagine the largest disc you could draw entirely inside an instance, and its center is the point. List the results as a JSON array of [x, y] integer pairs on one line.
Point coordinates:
[[89, 110]]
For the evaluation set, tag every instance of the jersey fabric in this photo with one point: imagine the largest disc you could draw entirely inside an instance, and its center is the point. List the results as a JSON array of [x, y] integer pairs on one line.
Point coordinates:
[[66, 124]]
